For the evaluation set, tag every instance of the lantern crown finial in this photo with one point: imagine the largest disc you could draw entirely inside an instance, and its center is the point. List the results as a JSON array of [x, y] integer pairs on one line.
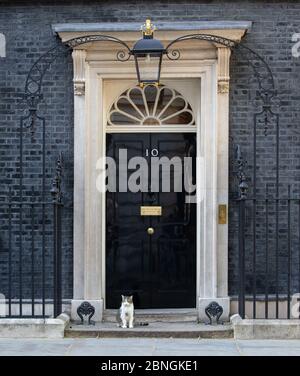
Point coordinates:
[[148, 53], [148, 28]]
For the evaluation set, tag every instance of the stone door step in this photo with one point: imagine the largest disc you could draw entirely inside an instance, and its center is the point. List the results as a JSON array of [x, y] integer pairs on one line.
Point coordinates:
[[156, 315], [154, 330]]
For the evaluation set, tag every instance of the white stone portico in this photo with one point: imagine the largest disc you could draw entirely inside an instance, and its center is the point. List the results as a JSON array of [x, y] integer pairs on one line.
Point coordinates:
[[95, 63]]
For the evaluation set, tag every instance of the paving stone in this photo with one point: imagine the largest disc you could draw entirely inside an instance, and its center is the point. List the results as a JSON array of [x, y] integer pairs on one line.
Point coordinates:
[[147, 347]]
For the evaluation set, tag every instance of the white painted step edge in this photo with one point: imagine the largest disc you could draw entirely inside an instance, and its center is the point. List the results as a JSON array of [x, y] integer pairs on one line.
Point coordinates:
[[34, 328], [265, 328]]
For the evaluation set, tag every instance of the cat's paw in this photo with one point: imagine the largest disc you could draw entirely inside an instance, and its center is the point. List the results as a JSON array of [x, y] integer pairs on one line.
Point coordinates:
[[124, 326], [130, 326]]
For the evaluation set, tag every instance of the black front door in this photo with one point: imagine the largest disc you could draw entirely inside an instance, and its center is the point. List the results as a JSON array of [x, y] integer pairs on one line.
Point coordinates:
[[152, 257]]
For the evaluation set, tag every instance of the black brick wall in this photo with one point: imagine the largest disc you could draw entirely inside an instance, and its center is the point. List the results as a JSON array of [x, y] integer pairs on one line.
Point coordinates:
[[27, 27]]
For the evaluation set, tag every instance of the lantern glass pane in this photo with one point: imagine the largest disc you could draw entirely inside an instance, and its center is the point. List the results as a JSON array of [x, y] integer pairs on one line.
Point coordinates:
[[149, 67]]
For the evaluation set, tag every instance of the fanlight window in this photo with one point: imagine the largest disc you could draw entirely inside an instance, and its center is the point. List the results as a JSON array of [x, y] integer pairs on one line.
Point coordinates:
[[151, 105]]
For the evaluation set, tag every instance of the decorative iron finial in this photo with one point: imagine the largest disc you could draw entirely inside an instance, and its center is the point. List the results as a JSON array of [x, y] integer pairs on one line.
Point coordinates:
[[243, 186], [148, 28]]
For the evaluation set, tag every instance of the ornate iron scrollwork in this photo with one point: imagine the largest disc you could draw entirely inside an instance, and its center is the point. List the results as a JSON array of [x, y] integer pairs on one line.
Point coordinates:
[[241, 162], [206, 37], [173, 54], [123, 55], [34, 80], [213, 310], [262, 71], [86, 309], [56, 191]]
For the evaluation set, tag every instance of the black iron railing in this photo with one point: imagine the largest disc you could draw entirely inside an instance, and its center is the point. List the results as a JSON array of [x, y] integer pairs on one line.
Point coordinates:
[[269, 255], [31, 258], [30, 251]]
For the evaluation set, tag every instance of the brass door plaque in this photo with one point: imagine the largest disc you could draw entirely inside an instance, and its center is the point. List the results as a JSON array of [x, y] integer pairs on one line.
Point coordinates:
[[222, 214], [151, 210]]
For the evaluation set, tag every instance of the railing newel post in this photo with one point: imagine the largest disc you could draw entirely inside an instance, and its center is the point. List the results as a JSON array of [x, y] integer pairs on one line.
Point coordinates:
[[243, 189], [57, 257]]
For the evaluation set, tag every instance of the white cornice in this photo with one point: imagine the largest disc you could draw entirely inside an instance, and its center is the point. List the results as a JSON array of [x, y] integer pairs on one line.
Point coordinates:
[[134, 26], [166, 31]]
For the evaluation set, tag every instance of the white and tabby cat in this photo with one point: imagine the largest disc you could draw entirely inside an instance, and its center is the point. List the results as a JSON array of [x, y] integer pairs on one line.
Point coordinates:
[[125, 315]]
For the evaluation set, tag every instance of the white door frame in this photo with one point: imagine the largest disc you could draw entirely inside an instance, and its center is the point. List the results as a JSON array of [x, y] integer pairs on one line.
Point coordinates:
[[93, 66], [206, 74], [154, 129], [94, 255]]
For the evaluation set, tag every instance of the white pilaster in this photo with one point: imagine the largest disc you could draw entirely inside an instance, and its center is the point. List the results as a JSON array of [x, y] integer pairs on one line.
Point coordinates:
[[79, 170], [223, 165], [87, 262], [215, 257]]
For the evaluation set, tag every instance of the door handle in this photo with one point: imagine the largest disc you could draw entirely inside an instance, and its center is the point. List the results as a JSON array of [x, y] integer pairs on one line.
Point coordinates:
[[150, 230]]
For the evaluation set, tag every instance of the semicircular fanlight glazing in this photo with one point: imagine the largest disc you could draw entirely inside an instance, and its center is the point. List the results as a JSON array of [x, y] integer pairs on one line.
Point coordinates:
[[151, 105]]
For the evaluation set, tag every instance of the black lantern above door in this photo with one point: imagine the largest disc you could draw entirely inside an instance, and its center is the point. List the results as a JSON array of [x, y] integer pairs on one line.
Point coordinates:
[[148, 53]]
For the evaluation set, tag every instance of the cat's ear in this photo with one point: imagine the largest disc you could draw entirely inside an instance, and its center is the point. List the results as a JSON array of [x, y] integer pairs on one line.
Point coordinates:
[[123, 298], [130, 299]]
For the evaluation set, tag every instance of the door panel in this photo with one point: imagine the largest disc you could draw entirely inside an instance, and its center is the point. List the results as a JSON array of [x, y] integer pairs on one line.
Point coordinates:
[[159, 269]]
